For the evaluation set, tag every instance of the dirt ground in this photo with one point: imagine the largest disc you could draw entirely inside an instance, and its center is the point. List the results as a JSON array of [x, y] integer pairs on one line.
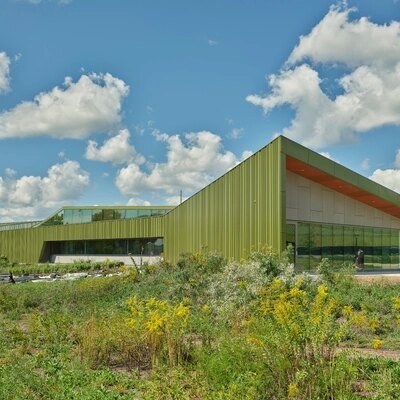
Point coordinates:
[[369, 352], [389, 278]]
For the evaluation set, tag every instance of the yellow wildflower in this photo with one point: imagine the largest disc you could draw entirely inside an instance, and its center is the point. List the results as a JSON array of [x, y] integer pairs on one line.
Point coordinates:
[[181, 311], [293, 390], [296, 292], [347, 310], [254, 341], [322, 290], [377, 343], [206, 309]]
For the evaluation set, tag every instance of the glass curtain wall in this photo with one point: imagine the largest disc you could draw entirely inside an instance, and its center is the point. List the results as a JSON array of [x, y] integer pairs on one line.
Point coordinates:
[[78, 216], [340, 244], [145, 247]]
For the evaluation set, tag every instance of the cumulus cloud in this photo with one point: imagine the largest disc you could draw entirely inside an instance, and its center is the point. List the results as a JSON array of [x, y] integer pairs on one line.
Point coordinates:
[[369, 91], [397, 159], [354, 43], [135, 201], [116, 150], [27, 196], [236, 133], [191, 164], [387, 177], [174, 200], [365, 163], [4, 72], [90, 105]]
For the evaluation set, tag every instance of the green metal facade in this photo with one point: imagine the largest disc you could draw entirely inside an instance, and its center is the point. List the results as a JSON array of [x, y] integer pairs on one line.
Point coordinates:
[[26, 245], [239, 212], [242, 211]]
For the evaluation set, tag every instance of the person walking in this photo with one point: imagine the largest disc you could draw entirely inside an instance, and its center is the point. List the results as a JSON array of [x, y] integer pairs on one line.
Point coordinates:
[[360, 259]]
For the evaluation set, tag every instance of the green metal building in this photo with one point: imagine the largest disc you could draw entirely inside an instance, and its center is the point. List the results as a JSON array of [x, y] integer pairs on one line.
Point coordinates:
[[284, 193]]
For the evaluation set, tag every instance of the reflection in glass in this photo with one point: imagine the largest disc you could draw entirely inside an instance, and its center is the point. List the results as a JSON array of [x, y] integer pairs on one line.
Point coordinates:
[[386, 261], [394, 248], [377, 250], [303, 246], [144, 247], [349, 252], [326, 245], [315, 245], [338, 244], [368, 247]]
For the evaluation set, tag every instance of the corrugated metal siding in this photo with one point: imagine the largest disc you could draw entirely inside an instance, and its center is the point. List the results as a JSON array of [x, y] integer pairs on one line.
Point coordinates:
[[240, 212], [25, 245]]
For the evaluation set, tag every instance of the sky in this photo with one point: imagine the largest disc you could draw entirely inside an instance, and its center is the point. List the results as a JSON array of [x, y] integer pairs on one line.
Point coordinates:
[[128, 102]]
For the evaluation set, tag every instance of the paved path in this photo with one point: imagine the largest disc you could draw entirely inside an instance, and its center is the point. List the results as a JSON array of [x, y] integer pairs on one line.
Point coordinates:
[[387, 275]]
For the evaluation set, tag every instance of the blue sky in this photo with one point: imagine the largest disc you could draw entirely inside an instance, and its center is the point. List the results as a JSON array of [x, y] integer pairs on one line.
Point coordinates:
[[128, 102]]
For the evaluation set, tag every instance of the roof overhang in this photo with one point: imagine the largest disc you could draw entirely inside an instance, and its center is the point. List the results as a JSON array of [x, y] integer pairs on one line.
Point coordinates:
[[339, 185]]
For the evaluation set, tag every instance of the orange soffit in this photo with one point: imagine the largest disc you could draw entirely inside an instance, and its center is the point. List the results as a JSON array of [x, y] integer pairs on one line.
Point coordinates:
[[334, 183]]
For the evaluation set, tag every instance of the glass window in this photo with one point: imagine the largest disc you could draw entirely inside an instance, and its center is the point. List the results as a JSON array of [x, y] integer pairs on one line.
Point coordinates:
[[368, 247], [144, 213], [394, 248], [120, 246], [358, 238], [97, 215], [57, 219], [326, 241], [86, 215], [349, 252], [315, 245], [290, 234], [118, 214], [131, 213], [337, 244], [386, 261], [303, 246], [377, 249], [108, 214], [71, 247], [158, 246], [68, 216], [136, 247]]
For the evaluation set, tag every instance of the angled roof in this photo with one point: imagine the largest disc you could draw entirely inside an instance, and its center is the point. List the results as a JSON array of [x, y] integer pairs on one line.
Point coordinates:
[[314, 166]]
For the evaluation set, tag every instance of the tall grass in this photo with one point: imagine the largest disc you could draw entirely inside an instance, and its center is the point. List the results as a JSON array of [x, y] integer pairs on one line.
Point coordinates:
[[205, 328]]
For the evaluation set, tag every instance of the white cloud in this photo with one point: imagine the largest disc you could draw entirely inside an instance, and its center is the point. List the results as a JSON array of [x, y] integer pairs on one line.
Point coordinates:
[[388, 177], [361, 42], [135, 201], [326, 154], [28, 196], [245, 154], [212, 42], [116, 150], [365, 163], [236, 133], [4, 72], [174, 200], [370, 95], [10, 172], [397, 159], [91, 105], [190, 165]]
